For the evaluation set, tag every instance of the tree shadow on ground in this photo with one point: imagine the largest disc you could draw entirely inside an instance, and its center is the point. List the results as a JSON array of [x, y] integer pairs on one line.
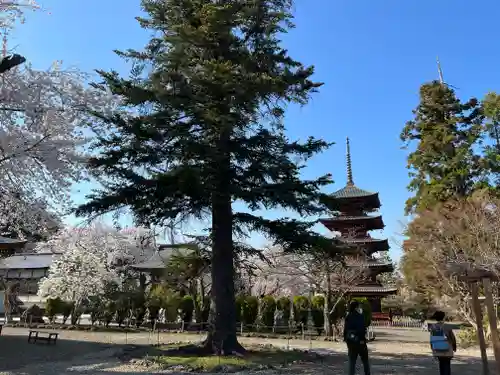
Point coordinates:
[[386, 336], [390, 363], [78, 357], [16, 352]]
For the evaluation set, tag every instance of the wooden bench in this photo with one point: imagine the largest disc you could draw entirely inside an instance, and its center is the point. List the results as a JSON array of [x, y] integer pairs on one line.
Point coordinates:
[[48, 337]]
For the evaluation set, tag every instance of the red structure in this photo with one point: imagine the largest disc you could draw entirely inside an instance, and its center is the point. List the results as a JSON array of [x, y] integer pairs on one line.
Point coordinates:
[[356, 208]]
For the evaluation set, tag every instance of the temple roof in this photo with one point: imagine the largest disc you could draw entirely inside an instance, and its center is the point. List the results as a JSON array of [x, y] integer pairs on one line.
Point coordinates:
[[28, 261], [352, 191], [370, 222], [369, 263], [373, 289], [160, 258], [370, 245], [372, 266], [9, 243]]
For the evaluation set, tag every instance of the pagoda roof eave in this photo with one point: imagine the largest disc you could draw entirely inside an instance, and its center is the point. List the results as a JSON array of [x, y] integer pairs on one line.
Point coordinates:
[[10, 243], [373, 290], [351, 191], [376, 222], [346, 218], [369, 245], [368, 264]]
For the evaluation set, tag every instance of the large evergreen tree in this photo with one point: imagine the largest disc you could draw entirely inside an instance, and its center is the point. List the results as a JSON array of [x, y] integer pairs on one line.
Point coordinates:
[[491, 136], [444, 164], [201, 127]]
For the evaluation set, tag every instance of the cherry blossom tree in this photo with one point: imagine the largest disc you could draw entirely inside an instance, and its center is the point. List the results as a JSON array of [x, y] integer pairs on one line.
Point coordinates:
[[290, 274], [92, 258], [13, 11], [42, 147]]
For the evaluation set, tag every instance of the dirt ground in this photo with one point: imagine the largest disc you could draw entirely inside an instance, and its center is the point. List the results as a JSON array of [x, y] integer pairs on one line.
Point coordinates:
[[80, 352]]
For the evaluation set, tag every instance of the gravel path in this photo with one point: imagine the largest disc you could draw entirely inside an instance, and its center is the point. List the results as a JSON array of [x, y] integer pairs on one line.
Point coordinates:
[[94, 353]]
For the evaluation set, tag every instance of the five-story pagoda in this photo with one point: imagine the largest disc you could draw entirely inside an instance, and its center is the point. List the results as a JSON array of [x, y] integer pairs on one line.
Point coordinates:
[[354, 222]]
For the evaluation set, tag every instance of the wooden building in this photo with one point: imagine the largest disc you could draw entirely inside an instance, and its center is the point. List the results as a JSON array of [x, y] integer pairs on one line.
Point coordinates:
[[354, 221]]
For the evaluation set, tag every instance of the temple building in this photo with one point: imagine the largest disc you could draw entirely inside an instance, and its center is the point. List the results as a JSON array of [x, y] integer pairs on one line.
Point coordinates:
[[9, 246], [155, 266], [20, 264], [356, 217]]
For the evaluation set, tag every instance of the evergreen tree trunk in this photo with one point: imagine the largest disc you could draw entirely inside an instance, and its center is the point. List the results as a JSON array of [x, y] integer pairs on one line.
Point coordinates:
[[222, 331]]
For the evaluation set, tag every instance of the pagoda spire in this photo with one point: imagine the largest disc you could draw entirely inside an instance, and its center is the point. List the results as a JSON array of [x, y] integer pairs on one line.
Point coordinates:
[[440, 71], [350, 181]]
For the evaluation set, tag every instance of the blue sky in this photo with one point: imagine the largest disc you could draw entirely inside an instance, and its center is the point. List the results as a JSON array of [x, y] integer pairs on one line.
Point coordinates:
[[372, 56]]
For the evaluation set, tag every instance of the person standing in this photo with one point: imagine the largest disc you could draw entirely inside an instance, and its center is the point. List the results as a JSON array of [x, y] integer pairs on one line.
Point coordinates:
[[443, 342], [355, 338]]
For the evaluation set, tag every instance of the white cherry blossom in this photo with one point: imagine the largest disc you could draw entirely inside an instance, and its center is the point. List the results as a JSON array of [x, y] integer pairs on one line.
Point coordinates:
[[92, 257]]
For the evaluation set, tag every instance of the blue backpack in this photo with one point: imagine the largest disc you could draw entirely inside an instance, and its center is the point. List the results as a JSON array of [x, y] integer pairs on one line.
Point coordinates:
[[439, 340]]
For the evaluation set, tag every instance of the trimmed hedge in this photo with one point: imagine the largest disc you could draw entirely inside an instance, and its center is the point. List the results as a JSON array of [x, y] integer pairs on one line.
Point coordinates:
[[133, 309]]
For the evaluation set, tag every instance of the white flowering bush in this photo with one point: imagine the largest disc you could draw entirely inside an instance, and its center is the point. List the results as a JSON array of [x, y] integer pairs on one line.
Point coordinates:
[[92, 258]]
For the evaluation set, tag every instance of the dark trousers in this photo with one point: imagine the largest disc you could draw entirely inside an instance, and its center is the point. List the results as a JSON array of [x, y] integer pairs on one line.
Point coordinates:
[[355, 350], [444, 365]]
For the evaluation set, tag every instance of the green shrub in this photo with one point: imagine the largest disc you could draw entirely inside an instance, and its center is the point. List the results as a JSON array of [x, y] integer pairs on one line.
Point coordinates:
[[171, 304], [250, 310], [318, 304], [53, 306], [205, 310], [122, 312], [153, 304], [240, 300], [95, 309], [186, 308], [267, 309], [301, 309], [466, 338], [138, 307], [109, 311], [66, 310], [283, 304]]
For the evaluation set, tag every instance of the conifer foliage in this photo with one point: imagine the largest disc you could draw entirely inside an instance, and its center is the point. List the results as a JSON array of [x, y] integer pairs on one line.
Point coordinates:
[[444, 164], [202, 127]]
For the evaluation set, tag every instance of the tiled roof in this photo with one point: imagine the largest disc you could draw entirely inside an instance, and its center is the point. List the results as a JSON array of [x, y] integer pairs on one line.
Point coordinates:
[[160, 258], [354, 218], [362, 240], [373, 289], [370, 222], [29, 261], [352, 191], [368, 244], [10, 243], [369, 263], [6, 240]]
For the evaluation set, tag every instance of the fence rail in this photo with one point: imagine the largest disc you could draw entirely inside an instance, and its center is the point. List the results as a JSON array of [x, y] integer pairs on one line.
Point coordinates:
[[285, 329], [399, 322]]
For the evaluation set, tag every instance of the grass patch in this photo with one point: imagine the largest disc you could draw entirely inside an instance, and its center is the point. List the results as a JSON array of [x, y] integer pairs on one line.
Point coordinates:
[[256, 357], [208, 363]]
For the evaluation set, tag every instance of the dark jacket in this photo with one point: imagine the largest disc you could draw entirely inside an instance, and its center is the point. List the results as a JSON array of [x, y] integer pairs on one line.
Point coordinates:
[[355, 322]]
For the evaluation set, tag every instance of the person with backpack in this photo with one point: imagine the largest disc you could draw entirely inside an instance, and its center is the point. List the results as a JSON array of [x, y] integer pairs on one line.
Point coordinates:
[[443, 342], [355, 338]]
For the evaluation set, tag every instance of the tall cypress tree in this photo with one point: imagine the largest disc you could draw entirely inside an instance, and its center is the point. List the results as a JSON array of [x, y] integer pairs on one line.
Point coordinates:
[[444, 164], [202, 126]]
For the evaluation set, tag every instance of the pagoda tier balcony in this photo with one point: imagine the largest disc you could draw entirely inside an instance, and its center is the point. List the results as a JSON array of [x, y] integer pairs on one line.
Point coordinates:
[[374, 290], [345, 224], [367, 245], [351, 197], [373, 267]]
